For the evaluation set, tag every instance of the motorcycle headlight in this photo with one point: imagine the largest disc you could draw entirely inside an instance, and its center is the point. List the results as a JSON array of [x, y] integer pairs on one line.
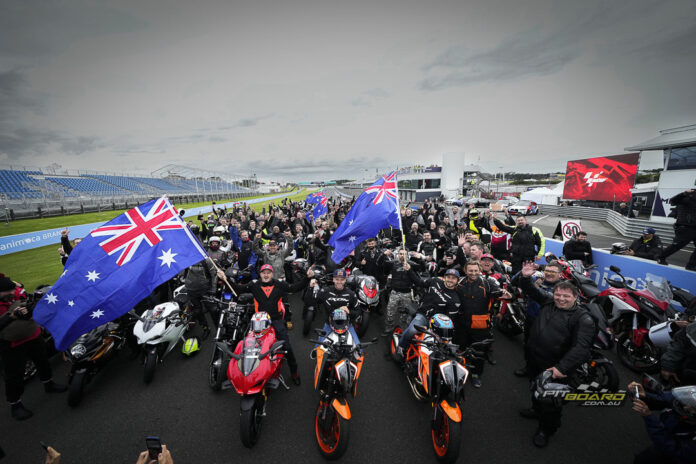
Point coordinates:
[[78, 351]]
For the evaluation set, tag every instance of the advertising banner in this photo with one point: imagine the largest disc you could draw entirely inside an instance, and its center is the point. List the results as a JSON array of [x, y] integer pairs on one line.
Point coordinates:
[[631, 267], [606, 178]]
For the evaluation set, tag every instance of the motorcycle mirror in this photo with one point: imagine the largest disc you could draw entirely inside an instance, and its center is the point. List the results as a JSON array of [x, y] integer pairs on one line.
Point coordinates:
[[613, 268], [420, 328], [320, 332], [277, 345]]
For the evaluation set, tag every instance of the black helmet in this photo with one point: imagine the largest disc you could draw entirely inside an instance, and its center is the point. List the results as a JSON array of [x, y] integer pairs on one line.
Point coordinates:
[[339, 321], [194, 228], [618, 247], [300, 265], [685, 401], [549, 392]]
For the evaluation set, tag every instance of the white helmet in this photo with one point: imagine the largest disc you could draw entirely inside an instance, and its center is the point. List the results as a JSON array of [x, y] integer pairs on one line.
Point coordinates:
[[219, 230], [214, 238]]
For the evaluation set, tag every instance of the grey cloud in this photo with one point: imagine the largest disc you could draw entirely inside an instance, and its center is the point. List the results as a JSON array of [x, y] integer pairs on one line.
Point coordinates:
[[31, 28], [369, 97], [17, 140], [322, 168], [249, 122], [532, 52], [216, 139]]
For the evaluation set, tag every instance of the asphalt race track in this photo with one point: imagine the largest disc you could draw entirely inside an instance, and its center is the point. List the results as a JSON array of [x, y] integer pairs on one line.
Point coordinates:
[[388, 424]]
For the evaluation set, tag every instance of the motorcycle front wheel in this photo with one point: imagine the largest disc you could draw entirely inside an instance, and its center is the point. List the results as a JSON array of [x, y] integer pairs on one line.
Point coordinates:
[[217, 370], [250, 422], [332, 432], [364, 323], [640, 359], [76, 388], [446, 435], [150, 364]]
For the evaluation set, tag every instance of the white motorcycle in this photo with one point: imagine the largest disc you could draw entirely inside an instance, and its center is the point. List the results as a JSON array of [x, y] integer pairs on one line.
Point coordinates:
[[159, 330]]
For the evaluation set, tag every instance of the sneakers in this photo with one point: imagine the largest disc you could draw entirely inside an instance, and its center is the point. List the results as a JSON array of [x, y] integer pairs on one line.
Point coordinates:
[[476, 381], [522, 372], [399, 355], [19, 412], [529, 413], [52, 387], [296, 378]]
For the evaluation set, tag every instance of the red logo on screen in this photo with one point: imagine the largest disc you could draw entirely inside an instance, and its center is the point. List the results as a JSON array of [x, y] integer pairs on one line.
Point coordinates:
[[592, 178], [606, 178]]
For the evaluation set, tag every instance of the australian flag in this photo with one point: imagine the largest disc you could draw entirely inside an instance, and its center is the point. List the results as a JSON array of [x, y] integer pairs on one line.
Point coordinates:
[[321, 201], [375, 209], [115, 267]]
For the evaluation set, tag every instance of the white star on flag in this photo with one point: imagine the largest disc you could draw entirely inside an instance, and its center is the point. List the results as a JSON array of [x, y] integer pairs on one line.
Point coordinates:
[[352, 238], [92, 276], [350, 223], [51, 298], [64, 272], [97, 314], [71, 303], [167, 258]]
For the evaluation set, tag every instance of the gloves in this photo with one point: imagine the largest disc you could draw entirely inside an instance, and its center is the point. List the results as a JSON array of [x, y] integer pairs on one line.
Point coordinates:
[[288, 325]]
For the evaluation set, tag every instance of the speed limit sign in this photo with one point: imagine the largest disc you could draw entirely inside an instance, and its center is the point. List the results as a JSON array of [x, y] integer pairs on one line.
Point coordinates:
[[570, 228]]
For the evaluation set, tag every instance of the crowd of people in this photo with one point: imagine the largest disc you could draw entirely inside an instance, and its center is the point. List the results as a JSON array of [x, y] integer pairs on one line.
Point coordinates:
[[459, 260]]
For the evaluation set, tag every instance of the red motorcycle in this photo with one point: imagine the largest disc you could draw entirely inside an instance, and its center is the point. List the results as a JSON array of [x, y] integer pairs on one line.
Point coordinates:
[[253, 371], [631, 313]]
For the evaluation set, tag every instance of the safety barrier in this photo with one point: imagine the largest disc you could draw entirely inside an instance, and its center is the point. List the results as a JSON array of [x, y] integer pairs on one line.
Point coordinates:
[[631, 268], [20, 242], [628, 227]]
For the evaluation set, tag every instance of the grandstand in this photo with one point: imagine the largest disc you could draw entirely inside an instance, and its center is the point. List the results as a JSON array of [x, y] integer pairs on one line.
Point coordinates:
[[29, 188]]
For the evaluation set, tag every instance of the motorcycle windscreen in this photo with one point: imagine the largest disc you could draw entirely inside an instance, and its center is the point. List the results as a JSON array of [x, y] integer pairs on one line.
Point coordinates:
[[453, 374], [250, 356]]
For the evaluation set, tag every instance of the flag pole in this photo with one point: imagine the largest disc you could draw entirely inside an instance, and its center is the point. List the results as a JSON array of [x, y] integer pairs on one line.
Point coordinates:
[[398, 211]]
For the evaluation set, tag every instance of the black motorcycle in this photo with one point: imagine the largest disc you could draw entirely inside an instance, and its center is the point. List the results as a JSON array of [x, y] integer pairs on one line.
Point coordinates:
[[92, 351], [232, 325]]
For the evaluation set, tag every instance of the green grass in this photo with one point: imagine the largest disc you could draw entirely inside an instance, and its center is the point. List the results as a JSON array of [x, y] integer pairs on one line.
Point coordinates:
[[42, 265], [21, 226]]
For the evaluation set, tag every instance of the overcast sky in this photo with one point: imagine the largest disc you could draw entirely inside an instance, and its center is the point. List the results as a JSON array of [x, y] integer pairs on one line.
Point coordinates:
[[307, 89]]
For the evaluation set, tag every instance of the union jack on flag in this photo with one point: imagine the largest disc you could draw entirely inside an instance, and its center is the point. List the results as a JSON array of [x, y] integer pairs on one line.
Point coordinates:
[[104, 278], [126, 238], [386, 186]]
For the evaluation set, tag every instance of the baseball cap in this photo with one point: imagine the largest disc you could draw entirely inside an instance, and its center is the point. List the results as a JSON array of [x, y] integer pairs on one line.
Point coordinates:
[[648, 230], [266, 267], [487, 256], [6, 284], [453, 272], [340, 272]]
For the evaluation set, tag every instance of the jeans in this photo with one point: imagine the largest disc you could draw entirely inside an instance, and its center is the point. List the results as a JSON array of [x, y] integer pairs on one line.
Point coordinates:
[[282, 334], [14, 361], [408, 334]]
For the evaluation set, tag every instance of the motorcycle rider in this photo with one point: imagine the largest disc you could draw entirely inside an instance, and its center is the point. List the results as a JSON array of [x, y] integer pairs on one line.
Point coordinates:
[[413, 237], [441, 296], [16, 348], [559, 341], [578, 248], [552, 275], [273, 256], [679, 361], [647, 246], [219, 256], [673, 431], [200, 280], [371, 260], [427, 247], [472, 323], [337, 296], [268, 294], [527, 241], [684, 227], [400, 295]]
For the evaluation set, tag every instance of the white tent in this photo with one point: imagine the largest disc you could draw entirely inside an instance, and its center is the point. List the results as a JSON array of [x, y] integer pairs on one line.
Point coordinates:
[[544, 195]]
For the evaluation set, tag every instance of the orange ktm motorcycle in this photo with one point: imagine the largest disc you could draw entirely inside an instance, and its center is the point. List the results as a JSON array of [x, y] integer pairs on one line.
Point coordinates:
[[436, 371], [339, 360]]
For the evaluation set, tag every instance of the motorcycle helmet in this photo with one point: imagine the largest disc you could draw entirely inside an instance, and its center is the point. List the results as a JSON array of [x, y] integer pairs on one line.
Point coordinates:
[[547, 391], [685, 401], [618, 248], [339, 321], [214, 238], [473, 213], [219, 230], [191, 346], [442, 326], [260, 323], [195, 229]]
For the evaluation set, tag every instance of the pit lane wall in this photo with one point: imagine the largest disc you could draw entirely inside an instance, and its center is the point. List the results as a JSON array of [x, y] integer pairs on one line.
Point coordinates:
[[631, 268], [21, 242]]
